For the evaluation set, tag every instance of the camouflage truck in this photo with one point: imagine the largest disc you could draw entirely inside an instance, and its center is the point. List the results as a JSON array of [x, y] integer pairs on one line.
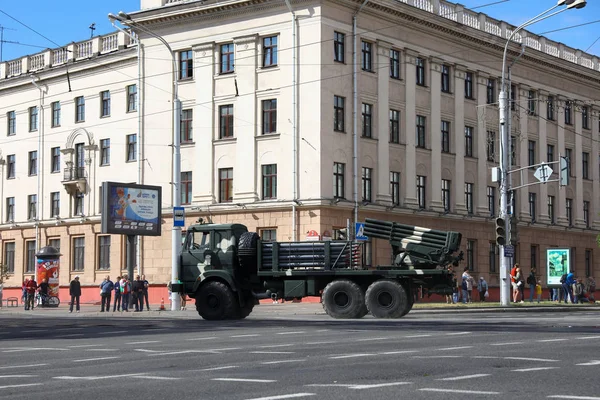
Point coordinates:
[[227, 270]]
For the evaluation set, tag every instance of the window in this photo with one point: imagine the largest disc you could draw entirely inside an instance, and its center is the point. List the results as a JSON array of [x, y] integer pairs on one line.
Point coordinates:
[[339, 184], [31, 206], [55, 114], [585, 157], [187, 117], [79, 109], [491, 91], [421, 131], [339, 40], [54, 204], [446, 194], [186, 187], [78, 253], [55, 159], [420, 63], [445, 137], [394, 64], [104, 252], [227, 57], [569, 157], [531, 100], [533, 206], [469, 197], [105, 104], [105, 152], [394, 126], [33, 119], [586, 213], [550, 153], [132, 95], [225, 185], [269, 111], [585, 117], [395, 187], [10, 209], [186, 64], [132, 147], [421, 194], [367, 183], [30, 256], [32, 167], [513, 150], [10, 166], [367, 54], [588, 262], [551, 209], [54, 243], [78, 205], [9, 257], [226, 121], [268, 235], [11, 128], [445, 79], [550, 108], [491, 197], [468, 141], [367, 115], [491, 146], [471, 254], [513, 97], [270, 51], [568, 111], [512, 200], [493, 252], [469, 85], [269, 181], [338, 113], [533, 259], [531, 152], [569, 211]]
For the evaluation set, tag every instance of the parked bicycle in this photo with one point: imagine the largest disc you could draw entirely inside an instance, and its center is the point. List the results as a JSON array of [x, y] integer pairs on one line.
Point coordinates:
[[44, 300]]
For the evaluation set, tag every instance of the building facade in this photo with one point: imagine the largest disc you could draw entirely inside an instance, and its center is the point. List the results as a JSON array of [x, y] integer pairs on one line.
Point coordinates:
[[277, 134]]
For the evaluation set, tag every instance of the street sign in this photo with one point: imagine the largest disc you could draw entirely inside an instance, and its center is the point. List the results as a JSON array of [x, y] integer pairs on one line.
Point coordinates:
[[178, 216], [543, 173], [360, 231], [509, 251]]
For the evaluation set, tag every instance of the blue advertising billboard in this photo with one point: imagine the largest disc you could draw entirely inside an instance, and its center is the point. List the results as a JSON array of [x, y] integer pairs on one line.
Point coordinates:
[[130, 209], [558, 263]]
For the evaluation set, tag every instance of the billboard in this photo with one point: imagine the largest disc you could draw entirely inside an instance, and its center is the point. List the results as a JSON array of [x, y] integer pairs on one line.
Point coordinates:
[[49, 270], [130, 209], [558, 263]]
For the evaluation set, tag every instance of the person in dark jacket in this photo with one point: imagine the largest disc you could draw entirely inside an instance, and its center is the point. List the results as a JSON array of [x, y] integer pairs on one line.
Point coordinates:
[[138, 293], [75, 292], [117, 301], [106, 288], [146, 284]]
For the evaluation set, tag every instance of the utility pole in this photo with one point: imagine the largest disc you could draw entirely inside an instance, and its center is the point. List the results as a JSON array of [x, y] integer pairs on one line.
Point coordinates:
[[2, 29]]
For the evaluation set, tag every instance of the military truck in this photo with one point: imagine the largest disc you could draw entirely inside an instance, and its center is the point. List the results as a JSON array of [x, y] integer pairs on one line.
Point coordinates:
[[227, 270]]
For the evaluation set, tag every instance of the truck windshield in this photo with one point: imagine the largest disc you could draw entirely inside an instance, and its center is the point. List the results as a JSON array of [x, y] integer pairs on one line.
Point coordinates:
[[198, 240]]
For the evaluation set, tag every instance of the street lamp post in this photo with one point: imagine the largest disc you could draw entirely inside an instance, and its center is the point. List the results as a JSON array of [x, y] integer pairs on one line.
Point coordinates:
[[504, 142], [125, 19]]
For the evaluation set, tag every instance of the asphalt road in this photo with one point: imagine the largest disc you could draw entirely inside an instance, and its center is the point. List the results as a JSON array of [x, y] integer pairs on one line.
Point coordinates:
[[293, 351]]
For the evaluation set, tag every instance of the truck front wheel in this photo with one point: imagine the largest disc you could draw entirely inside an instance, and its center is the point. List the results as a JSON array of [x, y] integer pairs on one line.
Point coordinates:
[[344, 299], [215, 301], [386, 299]]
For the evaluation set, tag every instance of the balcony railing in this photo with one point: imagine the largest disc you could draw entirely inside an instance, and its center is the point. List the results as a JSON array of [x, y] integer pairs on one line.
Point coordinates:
[[74, 174]]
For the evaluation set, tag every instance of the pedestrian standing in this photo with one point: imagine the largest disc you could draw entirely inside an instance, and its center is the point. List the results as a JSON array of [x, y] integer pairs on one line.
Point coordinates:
[[568, 287], [1, 288], [146, 285], [30, 288], [531, 281], [467, 286], [538, 291], [106, 288], [125, 293], [75, 293], [590, 287], [482, 288], [117, 301], [518, 284], [137, 293]]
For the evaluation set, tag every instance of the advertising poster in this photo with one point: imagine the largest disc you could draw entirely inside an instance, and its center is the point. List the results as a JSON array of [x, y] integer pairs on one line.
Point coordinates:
[[130, 209], [48, 269], [558, 263]]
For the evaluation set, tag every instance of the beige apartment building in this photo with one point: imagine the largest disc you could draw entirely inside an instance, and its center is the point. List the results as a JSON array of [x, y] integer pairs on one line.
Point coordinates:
[[272, 137]]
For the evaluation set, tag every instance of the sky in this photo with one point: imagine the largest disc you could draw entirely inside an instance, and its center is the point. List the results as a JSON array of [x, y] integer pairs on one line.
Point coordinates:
[[66, 21]]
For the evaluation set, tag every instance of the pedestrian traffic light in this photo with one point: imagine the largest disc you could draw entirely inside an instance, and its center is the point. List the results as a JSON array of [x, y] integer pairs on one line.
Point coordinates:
[[500, 231], [513, 232]]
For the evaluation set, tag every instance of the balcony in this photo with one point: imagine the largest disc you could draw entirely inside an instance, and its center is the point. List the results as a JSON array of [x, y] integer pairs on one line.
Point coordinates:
[[75, 180]]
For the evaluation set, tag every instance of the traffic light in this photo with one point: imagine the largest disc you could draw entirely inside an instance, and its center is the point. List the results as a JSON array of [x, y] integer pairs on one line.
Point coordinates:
[[564, 171], [500, 231], [341, 234], [513, 232]]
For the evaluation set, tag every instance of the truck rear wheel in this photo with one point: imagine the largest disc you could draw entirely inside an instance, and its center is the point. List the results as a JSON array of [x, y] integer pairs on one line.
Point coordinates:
[[386, 299], [215, 301], [247, 252], [344, 299]]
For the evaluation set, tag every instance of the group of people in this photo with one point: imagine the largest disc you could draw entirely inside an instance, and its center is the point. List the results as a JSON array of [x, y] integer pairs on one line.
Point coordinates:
[[127, 294], [518, 282], [467, 286], [575, 290], [29, 288]]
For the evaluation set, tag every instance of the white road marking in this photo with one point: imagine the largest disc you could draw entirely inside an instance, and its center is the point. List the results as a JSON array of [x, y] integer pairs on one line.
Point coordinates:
[[203, 338], [290, 333], [215, 351], [315, 343], [588, 337], [458, 378], [242, 336], [456, 348], [284, 396], [551, 340], [96, 359], [18, 349], [399, 352], [95, 378], [272, 352], [147, 342], [273, 346], [17, 376], [417, 336], [24, 366], [436, 356], [218, 368], [486, 357], [323, 330], [592, 362], [378, 385], [85, 345], [456, 391], [505, 343], [22, 385], [372, 339], [163, 378], [530, 359], [458, 333], [352, 356], [533, 369], [244, 380], [148, 351], [558, 396], [281, 362]]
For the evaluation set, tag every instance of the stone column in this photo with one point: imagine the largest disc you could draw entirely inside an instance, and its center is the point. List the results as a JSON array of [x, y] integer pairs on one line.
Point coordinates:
[[560, 206], [383, 103], [482, 168], [435, 125], [204, 126], [410, 126], [578, 200], [519, 128], [542, 205], [594, 212], [459, 139]]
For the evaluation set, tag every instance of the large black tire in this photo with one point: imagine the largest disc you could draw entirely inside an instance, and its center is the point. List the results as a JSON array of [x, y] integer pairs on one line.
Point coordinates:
[[408, 307], [386, 299], [344, 299], [247, 250], [215, 301], [248, 306]]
